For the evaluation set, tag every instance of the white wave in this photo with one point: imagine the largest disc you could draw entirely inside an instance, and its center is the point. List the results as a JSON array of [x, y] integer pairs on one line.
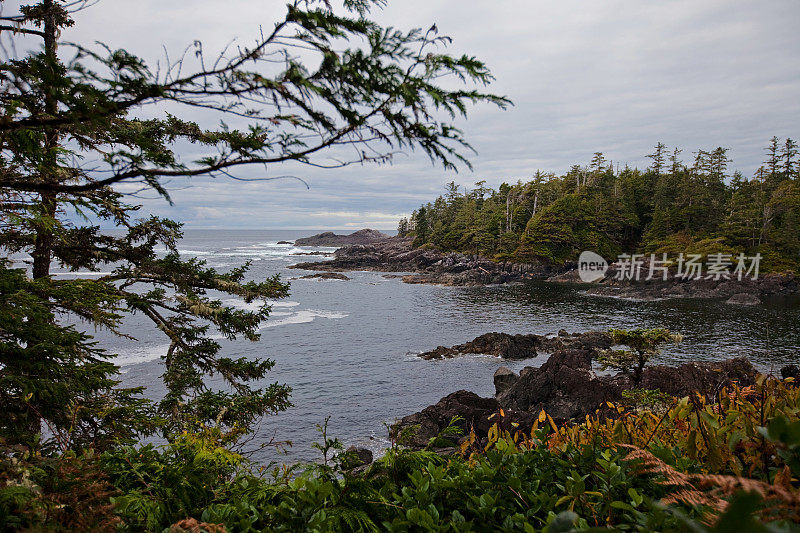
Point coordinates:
[[303, 317], [140, 354], [255, 305], [82, 274], [196, 253], [260, 254], [236, 303], [282, 303], [259, 250]]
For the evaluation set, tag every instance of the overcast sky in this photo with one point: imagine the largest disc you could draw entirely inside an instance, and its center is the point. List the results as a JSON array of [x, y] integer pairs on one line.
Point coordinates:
[[585, 76]]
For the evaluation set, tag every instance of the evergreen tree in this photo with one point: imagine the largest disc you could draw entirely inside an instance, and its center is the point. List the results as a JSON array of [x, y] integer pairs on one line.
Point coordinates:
[[403, 227], [421, 226], [789, 163], [659, 158], [773, 159], [69, 134]]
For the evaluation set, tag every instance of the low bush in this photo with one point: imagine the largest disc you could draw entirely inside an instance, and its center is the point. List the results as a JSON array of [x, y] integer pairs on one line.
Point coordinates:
[[728, 464]]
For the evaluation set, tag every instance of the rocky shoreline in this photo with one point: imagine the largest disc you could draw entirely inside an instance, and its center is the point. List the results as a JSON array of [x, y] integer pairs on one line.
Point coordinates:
[[734, 291], [430, 266], [567, 389]]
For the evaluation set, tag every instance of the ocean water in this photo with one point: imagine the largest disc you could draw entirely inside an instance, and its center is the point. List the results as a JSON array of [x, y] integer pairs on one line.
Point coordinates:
[[348, 348]]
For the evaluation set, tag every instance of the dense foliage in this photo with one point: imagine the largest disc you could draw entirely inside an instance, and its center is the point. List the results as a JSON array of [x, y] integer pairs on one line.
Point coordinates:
[[730, 464], [669, 207]]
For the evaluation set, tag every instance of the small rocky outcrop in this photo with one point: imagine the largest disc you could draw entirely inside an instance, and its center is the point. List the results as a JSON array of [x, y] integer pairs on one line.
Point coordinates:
[[325, 275], [328, 238], [705, 378], [285, 242], [565, 387], [743, 298], [355, 457], [508, 346], [474, 410], [504, 379], [315, 253], [790, 371]]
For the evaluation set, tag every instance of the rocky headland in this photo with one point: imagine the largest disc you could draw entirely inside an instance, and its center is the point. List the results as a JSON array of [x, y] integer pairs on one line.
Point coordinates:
[[430, 266], [396, 254]]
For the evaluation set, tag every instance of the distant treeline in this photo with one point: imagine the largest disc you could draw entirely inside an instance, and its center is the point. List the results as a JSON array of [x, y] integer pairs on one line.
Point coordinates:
[[669, 207]]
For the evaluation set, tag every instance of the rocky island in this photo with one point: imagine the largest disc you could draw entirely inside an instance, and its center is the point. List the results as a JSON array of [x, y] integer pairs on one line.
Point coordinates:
[[328, 238]]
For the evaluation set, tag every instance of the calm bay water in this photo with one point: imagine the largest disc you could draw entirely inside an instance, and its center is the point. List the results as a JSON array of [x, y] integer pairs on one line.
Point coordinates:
[[347, 348]]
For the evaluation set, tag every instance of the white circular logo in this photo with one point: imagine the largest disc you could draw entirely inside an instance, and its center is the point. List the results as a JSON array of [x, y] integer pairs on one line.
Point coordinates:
[[591, 267]]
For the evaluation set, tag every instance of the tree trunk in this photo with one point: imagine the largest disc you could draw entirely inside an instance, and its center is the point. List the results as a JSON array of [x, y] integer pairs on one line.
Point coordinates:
[[43, 245]]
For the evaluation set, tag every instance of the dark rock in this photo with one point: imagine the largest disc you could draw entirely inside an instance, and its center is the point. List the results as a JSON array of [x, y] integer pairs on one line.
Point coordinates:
[[705, 378], [440, 352], [285, 242], [325, 275], [502, 345], [565, 387], [504, 379], [508, 346], [364, 236], [743, 298], [474, 410], [790, 371], [355, 457], [316, 253], [498, 344]]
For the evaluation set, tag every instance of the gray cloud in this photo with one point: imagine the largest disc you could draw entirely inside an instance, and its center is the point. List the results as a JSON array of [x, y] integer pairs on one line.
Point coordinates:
[[614, 76]]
